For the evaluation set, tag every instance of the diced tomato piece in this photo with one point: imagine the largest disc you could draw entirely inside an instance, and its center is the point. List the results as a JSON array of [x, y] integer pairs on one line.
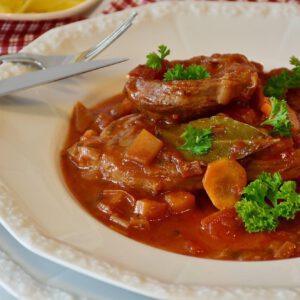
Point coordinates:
[[223, 224]]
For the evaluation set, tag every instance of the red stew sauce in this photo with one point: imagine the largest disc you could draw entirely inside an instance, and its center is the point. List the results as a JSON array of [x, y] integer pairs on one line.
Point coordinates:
[[200, 230], [134, 162]]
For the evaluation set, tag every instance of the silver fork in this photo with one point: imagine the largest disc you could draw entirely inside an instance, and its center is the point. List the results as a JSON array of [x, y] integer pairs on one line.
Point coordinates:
[[44, 62]]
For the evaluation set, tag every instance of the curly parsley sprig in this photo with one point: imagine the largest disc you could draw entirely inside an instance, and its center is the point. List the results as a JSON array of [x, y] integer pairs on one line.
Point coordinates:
[[278, 85], [192, 72], [154, 60], [266, 200], [197, 141], [178, 72], [279, 118]]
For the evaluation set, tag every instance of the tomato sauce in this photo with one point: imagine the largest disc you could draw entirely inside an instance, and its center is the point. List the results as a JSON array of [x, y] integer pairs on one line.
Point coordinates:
[[200, 231]]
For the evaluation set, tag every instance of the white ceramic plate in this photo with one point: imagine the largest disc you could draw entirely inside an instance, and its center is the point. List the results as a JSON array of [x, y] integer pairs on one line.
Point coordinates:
[[35, 205], [28, 276], [79, 10]]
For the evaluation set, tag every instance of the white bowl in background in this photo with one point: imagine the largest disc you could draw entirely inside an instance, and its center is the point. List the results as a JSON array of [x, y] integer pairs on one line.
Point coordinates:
[[79, 10]]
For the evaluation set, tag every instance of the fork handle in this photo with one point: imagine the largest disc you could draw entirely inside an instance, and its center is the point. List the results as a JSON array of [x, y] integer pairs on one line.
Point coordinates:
[[93, 52]]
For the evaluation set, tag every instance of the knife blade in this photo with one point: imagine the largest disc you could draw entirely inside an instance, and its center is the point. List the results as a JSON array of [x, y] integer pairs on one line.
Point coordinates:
[[36, 78]]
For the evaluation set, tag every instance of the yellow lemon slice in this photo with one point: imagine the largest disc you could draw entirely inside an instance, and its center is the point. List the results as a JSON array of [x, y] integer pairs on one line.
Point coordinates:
[[10, 6], [40, 6], [36, 6]]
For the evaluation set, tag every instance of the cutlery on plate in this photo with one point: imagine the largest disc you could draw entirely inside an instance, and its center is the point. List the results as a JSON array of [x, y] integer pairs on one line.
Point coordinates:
[[45, 62], [32, 79]]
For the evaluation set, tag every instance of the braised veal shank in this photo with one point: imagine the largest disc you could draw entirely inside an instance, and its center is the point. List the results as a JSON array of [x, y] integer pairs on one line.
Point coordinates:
[[233, 78]]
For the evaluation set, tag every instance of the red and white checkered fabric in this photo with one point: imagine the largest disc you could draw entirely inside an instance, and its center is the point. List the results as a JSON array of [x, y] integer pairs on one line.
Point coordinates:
[[14, 35], [117, 5]]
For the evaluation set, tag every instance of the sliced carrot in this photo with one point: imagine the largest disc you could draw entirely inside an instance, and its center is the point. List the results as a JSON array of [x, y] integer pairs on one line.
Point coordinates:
[[144, 148], [224, 181], [150, 209], [180, 201]]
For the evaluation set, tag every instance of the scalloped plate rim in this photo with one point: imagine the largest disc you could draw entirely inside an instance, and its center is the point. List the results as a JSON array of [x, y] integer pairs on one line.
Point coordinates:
[[145, 288]]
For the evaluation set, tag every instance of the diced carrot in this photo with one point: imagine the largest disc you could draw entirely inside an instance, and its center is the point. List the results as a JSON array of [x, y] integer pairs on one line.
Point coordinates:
[[144, 148], [180, 201], [265, 106], [224, 181], [82, 117], [139, 223], [118, 202], [119, 221], [150, 209]]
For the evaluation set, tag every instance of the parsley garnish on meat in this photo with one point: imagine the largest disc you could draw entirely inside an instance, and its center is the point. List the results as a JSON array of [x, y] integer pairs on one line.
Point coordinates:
[[179, 72], [192, 72], [279, 118], [154, 60], [295, 61], [267, 199], [277, 86], [197, 141]]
